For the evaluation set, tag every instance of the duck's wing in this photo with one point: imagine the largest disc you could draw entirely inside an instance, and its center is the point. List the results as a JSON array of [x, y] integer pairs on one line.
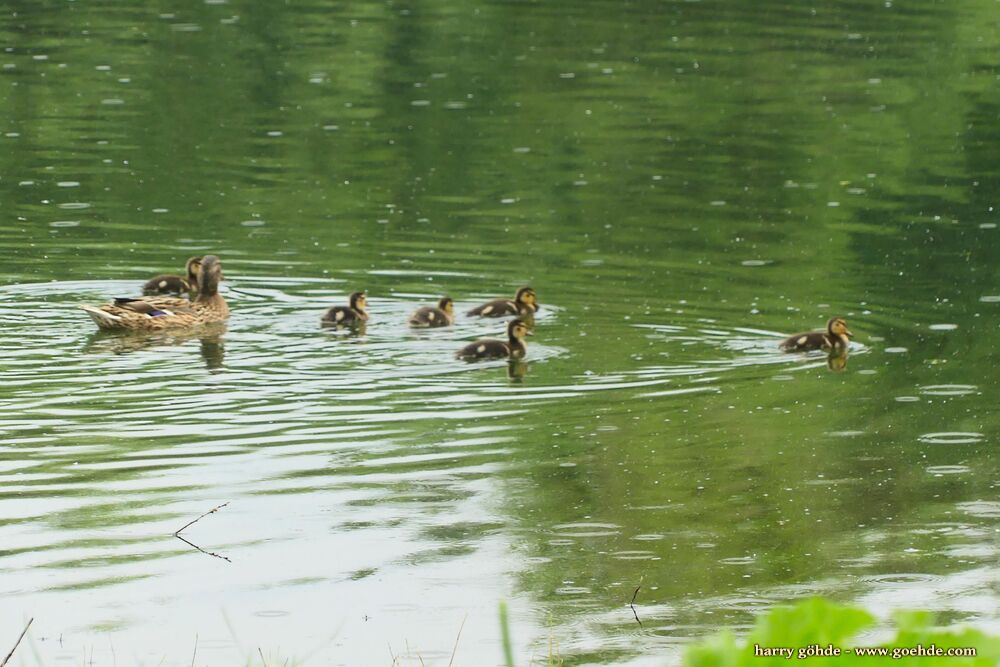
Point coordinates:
[[802, 342], [497, 308], [341, 315], [484, 349], [145, 313], [429, 316]]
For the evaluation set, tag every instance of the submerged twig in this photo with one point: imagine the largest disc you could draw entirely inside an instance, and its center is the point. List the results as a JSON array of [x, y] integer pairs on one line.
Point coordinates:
[[209, 553], [459, 636], [632, 605], [262, 659], [189, 523], [18, 642], [193, 655]]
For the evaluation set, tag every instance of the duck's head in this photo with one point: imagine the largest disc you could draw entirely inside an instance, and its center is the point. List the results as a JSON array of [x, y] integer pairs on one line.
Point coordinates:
[[209, 275], [359, 301], [193, 268], [517, 330], [837, 326], [447, 305], [526, 295]]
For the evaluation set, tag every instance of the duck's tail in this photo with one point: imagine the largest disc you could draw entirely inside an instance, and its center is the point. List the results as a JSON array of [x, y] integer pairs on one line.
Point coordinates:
[[102, 318]]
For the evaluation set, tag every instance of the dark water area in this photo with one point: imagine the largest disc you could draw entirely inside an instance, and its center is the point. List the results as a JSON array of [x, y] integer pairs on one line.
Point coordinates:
[[683, 183]]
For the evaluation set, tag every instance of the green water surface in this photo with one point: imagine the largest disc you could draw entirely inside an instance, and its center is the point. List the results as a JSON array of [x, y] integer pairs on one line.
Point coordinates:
[[682, 183]]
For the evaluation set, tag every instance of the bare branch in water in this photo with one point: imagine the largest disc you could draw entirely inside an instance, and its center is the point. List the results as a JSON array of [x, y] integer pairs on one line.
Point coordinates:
[[210, 553], [18, 642], [189, 523], [177, 534], [459, 636], [632, 605]]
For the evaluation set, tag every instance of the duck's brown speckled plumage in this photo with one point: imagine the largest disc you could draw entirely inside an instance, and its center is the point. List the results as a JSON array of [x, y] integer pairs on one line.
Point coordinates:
[[349, 315], [171, 284], [836, 337], [524, 303], [491, 348], [155, 313], [442, 315]]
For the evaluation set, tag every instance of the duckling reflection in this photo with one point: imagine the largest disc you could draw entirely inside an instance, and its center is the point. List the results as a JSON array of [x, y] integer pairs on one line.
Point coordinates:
[[210, 337], [837, 361], [516, 370]]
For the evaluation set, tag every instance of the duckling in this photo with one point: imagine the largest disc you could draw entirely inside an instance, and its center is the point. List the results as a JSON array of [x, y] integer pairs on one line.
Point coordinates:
[[836, 337], [153, 313], [442, 315], [525, 303], [171, 284], [490, 348], [350, 315]]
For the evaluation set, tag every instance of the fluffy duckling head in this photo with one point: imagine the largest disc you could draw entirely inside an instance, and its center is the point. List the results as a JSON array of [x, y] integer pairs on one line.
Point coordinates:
[[527, 296], [447, 304], [359, 301], [193, 267], [837, 326], [517, 329]]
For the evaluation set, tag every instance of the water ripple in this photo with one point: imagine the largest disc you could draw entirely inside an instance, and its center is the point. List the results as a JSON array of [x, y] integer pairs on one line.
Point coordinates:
[[951, 438]]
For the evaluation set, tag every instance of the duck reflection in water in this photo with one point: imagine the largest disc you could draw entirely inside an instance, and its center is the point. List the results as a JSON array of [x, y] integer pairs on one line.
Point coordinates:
[[516, 370], [210, 337], [837, 361]]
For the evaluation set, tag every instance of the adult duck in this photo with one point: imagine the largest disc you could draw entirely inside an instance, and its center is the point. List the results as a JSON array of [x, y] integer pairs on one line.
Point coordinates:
[[153, 313]]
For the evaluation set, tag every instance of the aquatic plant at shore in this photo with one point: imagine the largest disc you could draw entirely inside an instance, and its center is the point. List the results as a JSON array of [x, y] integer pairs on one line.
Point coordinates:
[[815, 629]]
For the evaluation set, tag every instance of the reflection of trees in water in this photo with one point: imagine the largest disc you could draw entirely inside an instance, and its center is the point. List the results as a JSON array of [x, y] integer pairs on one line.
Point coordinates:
[[210, 336]]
